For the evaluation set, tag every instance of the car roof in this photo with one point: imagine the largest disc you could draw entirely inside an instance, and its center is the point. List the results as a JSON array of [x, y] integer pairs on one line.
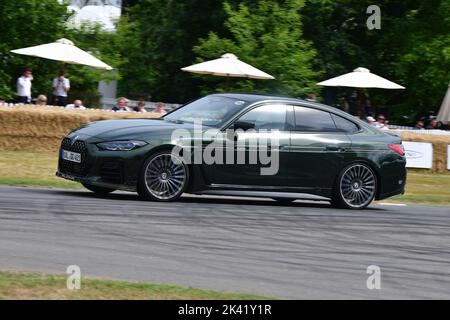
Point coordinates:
[[254, 98]]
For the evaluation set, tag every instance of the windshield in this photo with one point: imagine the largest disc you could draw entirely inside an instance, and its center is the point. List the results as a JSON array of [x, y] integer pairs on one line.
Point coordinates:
[[213, 111]]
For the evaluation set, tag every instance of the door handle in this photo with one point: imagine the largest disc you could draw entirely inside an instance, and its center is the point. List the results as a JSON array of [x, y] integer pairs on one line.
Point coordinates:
[[334, 148]]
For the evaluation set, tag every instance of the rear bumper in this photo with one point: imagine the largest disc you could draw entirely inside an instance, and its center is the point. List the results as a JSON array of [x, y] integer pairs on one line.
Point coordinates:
[[400, 191], [393, 179]]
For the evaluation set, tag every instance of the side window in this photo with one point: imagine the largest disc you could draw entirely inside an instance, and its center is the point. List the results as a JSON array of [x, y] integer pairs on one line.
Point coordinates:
[[313, 120], [345, 125], [268, 117]]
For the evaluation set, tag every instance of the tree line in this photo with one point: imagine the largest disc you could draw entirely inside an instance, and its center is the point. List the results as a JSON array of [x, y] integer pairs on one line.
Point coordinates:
[[300, 42]]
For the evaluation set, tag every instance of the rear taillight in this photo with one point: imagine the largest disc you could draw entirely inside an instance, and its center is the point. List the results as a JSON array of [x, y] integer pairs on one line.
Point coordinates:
[[398, 148]]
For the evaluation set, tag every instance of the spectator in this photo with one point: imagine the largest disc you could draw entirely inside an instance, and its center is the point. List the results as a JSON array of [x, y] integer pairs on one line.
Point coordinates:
[[160, 108], [61, 86], [24, 87], [41, 100], [140, 107], [371, 120], [420, 125], [77, 104], [122, 105], [381, 122], [433, 125]]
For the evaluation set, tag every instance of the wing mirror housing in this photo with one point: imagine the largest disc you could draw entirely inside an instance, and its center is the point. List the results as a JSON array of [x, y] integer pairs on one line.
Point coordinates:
[[238, 125]]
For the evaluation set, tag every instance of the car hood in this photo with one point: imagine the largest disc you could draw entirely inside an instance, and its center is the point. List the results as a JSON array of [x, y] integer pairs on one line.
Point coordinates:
[[125, 129]]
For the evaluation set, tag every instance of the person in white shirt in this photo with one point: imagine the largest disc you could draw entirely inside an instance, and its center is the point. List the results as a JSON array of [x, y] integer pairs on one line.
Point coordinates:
[[77, 104], [61, 86], [24, 87], [381, 122], [371, 120]]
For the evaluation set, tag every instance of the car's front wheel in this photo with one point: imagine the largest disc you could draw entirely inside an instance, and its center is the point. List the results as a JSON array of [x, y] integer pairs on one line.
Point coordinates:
[[96, 189], [164, 177], [355, 187]]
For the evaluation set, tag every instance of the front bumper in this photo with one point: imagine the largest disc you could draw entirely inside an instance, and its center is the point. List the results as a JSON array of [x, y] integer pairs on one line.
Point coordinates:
[[110, 169], [96, 181]]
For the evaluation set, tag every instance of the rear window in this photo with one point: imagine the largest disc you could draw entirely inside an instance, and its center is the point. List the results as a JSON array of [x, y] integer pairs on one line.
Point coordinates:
[[344, 125], [313, 120]]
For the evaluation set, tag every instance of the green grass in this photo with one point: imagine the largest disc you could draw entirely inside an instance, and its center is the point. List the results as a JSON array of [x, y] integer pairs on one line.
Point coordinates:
[[31, 168], [24, 182], [37, 169], [426, 188], [19, 285]]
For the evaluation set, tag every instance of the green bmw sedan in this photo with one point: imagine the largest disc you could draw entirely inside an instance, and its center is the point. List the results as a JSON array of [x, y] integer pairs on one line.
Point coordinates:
[[246, 144]]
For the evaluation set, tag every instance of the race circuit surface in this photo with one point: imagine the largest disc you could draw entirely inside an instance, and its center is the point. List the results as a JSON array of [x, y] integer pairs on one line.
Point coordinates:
[[298, 251]]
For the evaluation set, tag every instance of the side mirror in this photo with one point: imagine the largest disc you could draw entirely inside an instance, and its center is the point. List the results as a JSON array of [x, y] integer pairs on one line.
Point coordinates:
[[243, 125], [238, 125]]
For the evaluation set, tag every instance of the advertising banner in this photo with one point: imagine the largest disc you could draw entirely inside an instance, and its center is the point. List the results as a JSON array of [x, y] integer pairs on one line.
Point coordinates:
[[418, 154], [448, 157]]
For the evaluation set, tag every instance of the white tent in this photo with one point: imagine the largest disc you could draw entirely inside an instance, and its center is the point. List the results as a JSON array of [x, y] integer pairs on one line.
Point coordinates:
[[228, 66], [444, 111], [360, 78], [63, 50]]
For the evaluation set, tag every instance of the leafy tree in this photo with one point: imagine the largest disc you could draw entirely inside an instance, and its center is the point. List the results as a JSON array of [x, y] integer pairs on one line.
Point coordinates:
[[267, 35], [33, 22], [411, 48], [27, 23], [107, 47], [338, 32], [160, 38], [421, 55]]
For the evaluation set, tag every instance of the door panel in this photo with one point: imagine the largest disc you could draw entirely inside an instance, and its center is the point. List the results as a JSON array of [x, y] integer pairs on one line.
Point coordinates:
[[315, 158], [259, 156], [318, 149]]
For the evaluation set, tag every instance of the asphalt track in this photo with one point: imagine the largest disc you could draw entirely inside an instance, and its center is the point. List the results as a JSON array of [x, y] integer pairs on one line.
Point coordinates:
[[300, 251]]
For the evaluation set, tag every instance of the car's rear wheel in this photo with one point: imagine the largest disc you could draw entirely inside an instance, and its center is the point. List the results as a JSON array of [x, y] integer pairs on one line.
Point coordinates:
[[355, 187], [98, 190], [164, 177]]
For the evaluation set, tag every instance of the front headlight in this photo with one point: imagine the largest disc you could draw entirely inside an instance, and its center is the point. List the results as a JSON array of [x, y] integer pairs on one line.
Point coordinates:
[[121, 145]]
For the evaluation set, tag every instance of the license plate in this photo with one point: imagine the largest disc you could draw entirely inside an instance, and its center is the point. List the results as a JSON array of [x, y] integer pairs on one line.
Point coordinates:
[[71, 156]]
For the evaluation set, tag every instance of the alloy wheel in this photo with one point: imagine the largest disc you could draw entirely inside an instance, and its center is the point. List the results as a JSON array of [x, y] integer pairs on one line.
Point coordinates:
[[165, 176], [357, 186]]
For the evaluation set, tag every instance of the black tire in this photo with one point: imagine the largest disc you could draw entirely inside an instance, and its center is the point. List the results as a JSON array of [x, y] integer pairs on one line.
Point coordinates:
[[355, 187], [98, 190], [284, 201], [162, 179]]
